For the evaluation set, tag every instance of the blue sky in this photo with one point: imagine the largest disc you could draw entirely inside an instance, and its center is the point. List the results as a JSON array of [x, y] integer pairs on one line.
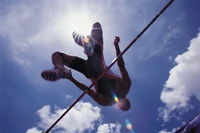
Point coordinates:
[[163, 64]]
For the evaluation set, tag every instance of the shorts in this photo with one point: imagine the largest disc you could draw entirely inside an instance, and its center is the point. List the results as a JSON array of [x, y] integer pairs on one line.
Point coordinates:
[[84, 67]]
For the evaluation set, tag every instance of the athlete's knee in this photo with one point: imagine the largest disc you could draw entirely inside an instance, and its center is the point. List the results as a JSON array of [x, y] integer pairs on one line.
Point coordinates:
[[57, 53], [62, 57]]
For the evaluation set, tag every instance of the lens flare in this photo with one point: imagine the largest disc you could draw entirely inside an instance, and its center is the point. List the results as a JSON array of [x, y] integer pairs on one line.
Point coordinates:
[[86, 39], [115, 97], [129, 125]]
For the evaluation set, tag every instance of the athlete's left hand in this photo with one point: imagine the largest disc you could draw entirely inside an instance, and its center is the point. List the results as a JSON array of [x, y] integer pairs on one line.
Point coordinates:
[[117, 40]]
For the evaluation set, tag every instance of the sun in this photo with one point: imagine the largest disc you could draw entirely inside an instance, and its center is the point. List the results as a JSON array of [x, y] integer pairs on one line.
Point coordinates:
[[80, 22]]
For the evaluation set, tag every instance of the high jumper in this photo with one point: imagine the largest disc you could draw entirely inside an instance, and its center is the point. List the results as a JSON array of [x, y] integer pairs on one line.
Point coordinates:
[[110, 86]]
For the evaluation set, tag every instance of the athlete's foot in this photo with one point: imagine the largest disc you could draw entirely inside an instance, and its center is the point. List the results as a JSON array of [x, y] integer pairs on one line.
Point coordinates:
[[55, 74]]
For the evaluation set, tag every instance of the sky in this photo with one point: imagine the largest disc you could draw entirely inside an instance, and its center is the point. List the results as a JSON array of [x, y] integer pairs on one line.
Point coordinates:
[[163, 65]]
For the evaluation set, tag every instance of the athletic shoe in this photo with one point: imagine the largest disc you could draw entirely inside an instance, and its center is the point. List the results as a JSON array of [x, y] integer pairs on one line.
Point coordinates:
[[55, 74]]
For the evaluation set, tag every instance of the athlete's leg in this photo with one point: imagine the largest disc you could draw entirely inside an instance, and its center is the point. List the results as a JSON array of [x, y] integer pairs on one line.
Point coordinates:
[[97, 33], [60, 59]]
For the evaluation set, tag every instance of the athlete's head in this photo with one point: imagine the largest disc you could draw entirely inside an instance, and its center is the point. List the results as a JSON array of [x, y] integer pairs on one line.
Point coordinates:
[[124, 104]]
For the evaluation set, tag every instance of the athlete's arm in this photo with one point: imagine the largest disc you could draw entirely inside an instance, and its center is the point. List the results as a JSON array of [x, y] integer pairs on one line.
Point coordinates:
[[83, 87], [99, 98], [120, 62]]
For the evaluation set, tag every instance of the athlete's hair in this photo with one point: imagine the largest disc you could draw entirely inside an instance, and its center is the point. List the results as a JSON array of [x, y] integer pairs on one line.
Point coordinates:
[[124, 104]]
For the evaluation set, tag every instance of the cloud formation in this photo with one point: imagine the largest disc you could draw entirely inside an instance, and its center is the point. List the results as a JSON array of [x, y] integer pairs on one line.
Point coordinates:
[[109, 128], [183, 83], [81, 118], [33, 130]]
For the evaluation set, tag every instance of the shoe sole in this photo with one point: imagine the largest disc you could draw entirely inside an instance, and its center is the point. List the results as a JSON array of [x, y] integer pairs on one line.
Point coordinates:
[[49, 75]]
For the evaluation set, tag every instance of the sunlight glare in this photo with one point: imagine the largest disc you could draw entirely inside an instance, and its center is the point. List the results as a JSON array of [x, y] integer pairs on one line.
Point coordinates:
[[80, 22]]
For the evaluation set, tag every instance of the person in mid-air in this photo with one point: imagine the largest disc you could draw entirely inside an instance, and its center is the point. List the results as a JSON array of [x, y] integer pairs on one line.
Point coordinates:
[[109, 85]]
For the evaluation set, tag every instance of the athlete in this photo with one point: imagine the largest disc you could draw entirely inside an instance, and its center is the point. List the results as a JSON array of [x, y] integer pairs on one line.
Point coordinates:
[[109, 85]]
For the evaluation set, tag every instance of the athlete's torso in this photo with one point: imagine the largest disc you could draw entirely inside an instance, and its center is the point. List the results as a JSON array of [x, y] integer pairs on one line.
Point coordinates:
[[106, 85], [95, 63]]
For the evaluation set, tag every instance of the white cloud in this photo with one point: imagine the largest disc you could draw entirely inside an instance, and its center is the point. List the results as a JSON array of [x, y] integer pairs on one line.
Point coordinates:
[[103, 128], [68, 96], [109, 128], [81, 118], [165, 131], [170, 58], [33, 130], [183, 82]]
